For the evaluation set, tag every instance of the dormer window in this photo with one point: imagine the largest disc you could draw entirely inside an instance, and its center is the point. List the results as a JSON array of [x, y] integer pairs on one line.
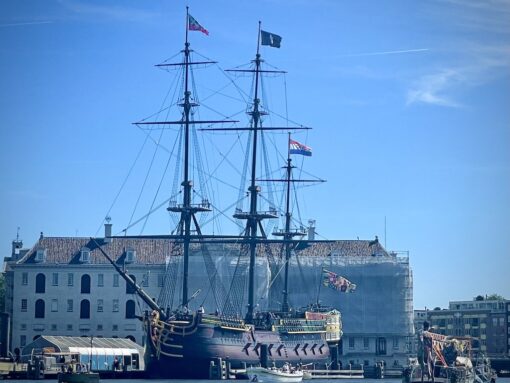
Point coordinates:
[[40, 255], [130, 255], [85, 255]]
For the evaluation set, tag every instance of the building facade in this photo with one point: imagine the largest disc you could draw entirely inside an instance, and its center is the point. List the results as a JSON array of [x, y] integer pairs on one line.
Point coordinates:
[[508, 327], [486, 321], [65, 286]]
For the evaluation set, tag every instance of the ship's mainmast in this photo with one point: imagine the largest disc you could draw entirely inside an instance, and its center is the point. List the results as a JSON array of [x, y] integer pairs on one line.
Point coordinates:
[[188, 227], [254, 218]]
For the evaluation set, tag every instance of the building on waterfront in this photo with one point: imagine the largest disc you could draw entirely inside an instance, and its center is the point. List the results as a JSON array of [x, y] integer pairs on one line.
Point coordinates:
[[377, 317], [508, 327], [97, 353], [485, 320], [65, 286]]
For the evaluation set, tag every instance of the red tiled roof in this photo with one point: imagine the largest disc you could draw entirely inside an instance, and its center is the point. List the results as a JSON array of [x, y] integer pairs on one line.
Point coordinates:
[[155, 250]]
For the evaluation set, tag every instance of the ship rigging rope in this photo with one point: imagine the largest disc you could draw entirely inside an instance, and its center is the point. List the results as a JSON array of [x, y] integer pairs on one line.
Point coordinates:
[[174, 271], [215, 283], [173, 103], [280, 210], [168, 281], [269, 184], [223, 213], [123, 184], [309, 292], [296, 203], [178, 142], [238, 284], [221, 301], [276, 281], [151, 164], [244, 172], [167, 292], [177, 173], [168, 59], [147, 136], [224, 158], [241, 92], [158, 189], [278, 268], [145, 215]]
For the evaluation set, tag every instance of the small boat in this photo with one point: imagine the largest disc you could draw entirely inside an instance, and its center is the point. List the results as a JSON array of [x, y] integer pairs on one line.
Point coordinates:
[[75, 377], [441, 359], [286, 374], [484, 372]]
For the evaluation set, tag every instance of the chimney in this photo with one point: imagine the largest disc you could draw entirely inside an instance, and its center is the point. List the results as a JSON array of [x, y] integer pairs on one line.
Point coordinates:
[[107, 229], [311, 229], [107, 232]]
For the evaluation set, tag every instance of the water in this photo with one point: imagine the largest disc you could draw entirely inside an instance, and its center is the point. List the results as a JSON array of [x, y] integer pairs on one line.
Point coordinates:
[[499, 380]]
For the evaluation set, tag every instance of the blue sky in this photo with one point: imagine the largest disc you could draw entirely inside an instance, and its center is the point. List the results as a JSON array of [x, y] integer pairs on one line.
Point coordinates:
[[409, 102]]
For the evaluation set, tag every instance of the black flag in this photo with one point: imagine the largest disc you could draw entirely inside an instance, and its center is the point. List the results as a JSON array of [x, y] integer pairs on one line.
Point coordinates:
[[270, 39]]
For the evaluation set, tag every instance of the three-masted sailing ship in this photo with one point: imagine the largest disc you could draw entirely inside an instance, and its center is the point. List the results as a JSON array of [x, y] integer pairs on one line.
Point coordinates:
[[182, 343]]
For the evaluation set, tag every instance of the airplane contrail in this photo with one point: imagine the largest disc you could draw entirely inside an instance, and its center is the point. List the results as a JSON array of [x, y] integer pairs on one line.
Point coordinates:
[[27, 23], [386, 52]]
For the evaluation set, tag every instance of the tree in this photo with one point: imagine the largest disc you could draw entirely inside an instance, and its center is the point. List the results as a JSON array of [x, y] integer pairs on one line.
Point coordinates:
[[495, 297], [2, 292], [479, 298]]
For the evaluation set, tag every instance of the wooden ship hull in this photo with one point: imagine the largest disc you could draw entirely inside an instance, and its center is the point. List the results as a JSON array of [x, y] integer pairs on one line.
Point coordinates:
[[186, 348]]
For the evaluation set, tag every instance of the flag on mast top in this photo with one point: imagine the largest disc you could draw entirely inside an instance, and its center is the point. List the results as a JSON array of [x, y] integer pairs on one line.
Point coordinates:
[[194, 25], [298, 148], [270, 39]]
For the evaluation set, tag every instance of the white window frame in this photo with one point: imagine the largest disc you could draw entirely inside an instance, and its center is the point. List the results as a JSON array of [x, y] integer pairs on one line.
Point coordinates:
[[54, 306]]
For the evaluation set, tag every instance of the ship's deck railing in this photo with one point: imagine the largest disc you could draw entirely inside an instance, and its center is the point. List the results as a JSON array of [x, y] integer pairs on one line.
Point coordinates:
[[301, 328], [301, 322], [224, 321]]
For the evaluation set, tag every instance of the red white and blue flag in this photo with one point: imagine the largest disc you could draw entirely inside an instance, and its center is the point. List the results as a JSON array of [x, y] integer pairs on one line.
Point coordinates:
[[297, 148], [193, 25], [337, 282]]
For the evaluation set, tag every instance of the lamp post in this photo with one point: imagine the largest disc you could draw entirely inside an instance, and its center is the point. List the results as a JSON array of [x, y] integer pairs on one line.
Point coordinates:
[[90, 356]]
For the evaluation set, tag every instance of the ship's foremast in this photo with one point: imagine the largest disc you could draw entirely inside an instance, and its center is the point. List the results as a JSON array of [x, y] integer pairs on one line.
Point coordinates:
[[187, 209]]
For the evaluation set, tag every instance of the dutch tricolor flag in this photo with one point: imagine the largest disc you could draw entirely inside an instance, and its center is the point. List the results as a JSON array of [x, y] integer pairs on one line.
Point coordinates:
[[297, 148]]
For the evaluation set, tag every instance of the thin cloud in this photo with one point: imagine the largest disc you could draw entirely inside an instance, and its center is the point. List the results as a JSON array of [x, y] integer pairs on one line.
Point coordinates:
[[26, 23], [478, 54], [491, 15], [431, 89], [484, 64], [109, 11], [386, 52]]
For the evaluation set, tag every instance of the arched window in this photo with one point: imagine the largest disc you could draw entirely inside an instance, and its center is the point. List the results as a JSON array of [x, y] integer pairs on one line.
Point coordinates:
[[85, 309], [85, 284], [130, 309], [129, 288], [40, 284], [39, 308]]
